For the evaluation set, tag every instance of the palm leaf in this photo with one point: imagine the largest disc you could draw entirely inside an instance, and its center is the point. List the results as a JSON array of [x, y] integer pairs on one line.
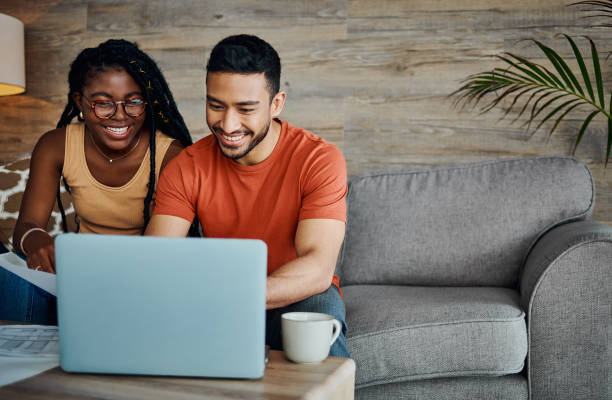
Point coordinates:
[[567, 111], [582, 66], [597, 69], [556, 110], [561, 66], [514, 75], [509, 90], [529, 101], [586, 123], [518, 67], [554, 92], [603, 7], [607, 6], [517, 97], [541, 71], [535, 113]]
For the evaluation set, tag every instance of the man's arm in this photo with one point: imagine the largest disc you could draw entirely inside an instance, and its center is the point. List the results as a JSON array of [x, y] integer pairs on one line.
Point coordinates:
[[317, 242], [168, 226]]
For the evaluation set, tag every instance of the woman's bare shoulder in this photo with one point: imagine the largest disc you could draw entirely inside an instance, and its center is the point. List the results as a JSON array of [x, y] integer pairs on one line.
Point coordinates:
[[51, 145], [173, 150]]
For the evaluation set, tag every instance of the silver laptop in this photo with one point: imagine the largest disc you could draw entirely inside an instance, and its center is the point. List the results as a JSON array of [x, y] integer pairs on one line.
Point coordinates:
[[161, 306]]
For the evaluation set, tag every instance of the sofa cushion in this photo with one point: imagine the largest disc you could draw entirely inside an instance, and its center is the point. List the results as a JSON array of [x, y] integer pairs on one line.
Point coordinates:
[[402, 333], [13, 178], [509, 387], [470, 225]]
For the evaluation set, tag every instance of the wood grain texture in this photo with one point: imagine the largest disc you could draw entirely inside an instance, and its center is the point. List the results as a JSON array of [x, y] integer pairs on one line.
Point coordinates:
[[332, 379], [372, 77]]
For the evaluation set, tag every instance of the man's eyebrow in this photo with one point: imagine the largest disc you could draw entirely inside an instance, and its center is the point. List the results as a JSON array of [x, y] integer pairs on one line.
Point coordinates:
[[211, 98], [240, 103], [248, 103]]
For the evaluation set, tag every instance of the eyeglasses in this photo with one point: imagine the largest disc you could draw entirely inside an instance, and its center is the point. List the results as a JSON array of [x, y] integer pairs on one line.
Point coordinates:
[[105, 109]]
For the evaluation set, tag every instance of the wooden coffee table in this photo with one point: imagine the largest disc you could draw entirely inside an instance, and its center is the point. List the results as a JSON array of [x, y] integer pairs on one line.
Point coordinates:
[[334, 378]]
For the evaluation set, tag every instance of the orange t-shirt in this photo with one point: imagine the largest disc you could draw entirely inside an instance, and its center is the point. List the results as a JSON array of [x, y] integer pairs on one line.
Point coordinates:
[[304, 177]]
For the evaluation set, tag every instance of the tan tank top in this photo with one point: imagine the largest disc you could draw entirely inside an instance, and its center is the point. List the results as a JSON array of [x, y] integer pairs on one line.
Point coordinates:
[[106, 209]]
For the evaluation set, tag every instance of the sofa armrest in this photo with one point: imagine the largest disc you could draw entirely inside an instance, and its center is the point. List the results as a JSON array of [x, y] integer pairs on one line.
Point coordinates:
[[566, 290]]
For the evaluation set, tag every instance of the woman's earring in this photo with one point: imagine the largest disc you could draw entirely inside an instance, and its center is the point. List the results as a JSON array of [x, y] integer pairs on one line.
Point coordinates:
[[81, 114]]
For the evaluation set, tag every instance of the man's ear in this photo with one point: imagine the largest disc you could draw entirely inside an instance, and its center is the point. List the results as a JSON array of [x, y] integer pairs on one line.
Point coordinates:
[[278, 102]]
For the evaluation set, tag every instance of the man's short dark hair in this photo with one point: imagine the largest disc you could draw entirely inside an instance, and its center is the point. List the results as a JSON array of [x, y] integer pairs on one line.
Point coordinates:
[[247, 54]]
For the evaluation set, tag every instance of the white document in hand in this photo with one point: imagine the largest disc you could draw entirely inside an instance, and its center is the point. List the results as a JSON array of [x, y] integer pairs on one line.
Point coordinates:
[[13, 263]]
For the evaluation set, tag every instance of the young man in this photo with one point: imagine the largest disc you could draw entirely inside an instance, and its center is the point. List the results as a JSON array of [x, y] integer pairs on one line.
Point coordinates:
[[259, 177]]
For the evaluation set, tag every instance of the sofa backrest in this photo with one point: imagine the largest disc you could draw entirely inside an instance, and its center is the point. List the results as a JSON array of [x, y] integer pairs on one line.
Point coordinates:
[[460, 225]]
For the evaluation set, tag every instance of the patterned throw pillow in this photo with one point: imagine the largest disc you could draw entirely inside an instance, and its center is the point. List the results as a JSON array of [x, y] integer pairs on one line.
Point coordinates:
[[13, 179]]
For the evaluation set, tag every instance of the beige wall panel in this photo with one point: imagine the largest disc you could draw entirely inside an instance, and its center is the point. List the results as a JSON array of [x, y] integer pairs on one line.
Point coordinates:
[[22, 120], [372, 77], [603, 195], [399, 7]]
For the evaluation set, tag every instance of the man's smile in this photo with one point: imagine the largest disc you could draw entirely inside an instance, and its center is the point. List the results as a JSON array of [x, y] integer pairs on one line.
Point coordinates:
[[233, 140]]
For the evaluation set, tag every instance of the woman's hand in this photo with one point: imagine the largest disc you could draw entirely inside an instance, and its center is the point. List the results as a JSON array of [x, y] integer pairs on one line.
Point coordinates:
[[41, 251]]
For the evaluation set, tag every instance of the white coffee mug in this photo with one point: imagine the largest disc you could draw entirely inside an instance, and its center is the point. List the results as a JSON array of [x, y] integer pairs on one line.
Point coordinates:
[[308, 336]]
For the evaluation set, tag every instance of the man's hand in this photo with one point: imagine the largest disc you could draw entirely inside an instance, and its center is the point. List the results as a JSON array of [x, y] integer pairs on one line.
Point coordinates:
[[317, 243]]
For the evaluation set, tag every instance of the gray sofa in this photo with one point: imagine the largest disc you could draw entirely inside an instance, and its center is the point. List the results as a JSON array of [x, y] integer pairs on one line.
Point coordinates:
[[478, 281]]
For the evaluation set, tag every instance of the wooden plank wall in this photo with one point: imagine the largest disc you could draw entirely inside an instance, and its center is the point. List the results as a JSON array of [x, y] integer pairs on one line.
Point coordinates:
[[371, 76]]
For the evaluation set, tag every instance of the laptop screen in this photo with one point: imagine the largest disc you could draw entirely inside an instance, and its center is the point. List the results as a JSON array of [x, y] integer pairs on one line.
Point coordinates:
[[161, 306]]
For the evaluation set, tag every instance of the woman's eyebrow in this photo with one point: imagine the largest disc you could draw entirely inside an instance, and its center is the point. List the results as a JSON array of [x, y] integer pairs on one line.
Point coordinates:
[[108, 95]]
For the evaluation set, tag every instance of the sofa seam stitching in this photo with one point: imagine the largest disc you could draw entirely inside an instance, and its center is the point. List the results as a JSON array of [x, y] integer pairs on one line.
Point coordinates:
[[485, 372], [458, 167], [428, 325]]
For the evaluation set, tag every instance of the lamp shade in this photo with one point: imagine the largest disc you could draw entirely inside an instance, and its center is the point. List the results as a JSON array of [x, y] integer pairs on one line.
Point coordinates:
[[12, 64]]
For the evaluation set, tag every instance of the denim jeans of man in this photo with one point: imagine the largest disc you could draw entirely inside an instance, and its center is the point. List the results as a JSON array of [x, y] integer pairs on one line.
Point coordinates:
[[328, 302]]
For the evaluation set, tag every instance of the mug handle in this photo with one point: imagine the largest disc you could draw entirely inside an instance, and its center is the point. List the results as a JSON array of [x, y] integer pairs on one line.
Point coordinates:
[[337, 330]]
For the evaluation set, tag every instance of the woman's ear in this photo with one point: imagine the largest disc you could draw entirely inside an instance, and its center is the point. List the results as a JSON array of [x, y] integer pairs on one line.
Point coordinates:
[[76, 97]]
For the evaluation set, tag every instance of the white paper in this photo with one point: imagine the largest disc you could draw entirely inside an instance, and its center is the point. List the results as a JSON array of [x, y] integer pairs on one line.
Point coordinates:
[[29, 340], [13, 263], [27, 350], [13, 369]]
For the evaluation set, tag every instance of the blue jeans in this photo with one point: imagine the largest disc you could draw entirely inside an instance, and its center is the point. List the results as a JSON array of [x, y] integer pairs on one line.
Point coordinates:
[[328, 302], [20, 301]]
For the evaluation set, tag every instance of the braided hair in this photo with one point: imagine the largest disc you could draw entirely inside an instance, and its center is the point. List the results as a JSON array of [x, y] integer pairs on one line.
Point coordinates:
[[162, 112]]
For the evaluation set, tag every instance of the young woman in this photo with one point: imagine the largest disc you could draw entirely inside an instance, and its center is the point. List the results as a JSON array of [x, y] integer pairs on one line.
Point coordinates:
[[128, 129]]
